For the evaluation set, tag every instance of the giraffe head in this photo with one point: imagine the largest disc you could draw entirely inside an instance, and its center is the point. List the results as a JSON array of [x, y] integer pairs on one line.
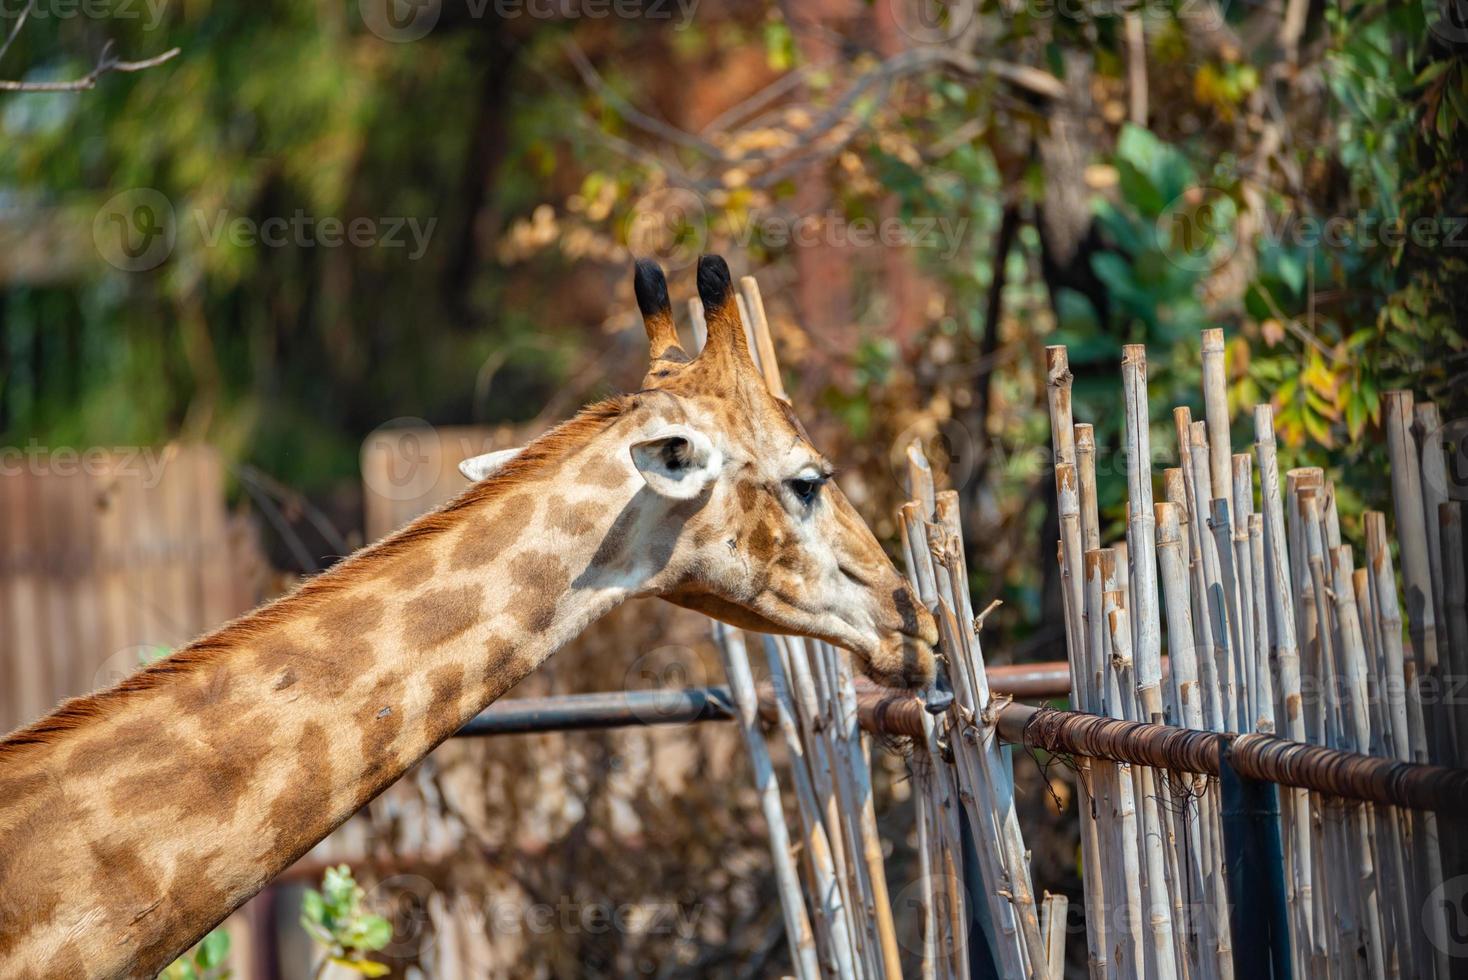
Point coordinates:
[[769, 542], [735, 514]]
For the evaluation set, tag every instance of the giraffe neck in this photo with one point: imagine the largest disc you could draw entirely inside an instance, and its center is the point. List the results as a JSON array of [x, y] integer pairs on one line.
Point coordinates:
[[133, 822]]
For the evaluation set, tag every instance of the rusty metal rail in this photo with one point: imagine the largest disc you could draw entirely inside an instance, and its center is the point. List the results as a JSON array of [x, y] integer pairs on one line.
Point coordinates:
[[1348, 775]]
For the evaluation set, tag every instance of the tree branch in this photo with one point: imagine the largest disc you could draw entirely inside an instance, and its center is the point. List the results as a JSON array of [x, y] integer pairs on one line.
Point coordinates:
[[106, 64], [19, 23]]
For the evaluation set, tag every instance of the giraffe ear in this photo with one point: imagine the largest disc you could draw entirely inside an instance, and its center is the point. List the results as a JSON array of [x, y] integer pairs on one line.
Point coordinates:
[[678, 463], [477, 468], [721, 311], [651, 288]]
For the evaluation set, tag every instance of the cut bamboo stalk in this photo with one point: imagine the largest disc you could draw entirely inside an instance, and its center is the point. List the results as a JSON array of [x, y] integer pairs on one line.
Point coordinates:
[[792, 902], [1351, 668], [1455, 591], [829, 903], [1142, 540], [1407, 714], [1416, 571], [860, 776], [1113, 786], [1290, 719], [1052, 926], [1427, 427], [1085, 448], [982, 811], [1392, 842], [1145, 832], [1241, 509], [1216, 600], [764, 344], [945, 946], [1451, 651], [1259, 605], [948, 553], [1215, 410]]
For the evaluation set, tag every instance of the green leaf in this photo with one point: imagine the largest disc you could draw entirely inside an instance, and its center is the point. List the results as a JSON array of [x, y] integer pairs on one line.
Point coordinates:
[[313, 906], [376, 932], [213, 950]]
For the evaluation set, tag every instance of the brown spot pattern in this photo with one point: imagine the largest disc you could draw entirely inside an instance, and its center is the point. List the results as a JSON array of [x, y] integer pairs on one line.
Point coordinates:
[[348, 618], [379, 731], [600, 471], [446, 685], [295, 817], [539, 580], [412, 570], [574, 520], [483, 540], [440, 615]]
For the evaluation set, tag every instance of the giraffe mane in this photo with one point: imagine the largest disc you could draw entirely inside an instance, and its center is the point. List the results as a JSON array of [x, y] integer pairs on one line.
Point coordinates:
[[550, 447]]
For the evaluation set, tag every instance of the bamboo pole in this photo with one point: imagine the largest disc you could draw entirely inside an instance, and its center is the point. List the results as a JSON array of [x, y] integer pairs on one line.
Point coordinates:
[[1407, 716], [829, 901], [934, 781], [849, 732], [1215, 598], [1356, 726], [1455, 592], [1416, 570], [1215, 409], [792, 903], [973, 778], [1142, 535], [1052, 926], [948, 553], [764, 344]]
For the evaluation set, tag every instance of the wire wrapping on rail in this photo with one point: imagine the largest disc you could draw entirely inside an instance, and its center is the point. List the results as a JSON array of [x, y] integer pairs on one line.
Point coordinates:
[[1349, 775], [1158, 746]]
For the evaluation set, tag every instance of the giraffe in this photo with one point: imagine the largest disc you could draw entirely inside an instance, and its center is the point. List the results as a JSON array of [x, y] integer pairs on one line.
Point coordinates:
[[134, 820]]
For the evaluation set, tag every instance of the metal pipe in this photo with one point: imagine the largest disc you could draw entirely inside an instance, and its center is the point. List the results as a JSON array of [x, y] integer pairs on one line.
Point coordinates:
[[1349, 775], [610, 709], [1254, 874]]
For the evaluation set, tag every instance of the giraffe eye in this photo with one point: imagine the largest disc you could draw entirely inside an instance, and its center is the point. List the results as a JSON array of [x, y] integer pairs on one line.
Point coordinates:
[[806, 488]]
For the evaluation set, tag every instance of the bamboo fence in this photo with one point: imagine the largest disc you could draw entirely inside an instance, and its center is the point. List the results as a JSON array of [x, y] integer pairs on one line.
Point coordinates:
[[1271, 624]]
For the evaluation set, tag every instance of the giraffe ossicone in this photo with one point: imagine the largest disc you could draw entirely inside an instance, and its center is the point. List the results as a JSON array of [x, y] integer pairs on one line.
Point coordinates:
[[134, 820]]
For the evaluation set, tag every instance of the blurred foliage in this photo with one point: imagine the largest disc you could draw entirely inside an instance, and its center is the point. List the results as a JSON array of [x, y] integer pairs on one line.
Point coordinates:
[[206, 961], [336, 920]]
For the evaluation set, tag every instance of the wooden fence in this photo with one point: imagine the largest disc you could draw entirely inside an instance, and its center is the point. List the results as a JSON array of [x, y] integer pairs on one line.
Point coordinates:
[[109, 557]]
